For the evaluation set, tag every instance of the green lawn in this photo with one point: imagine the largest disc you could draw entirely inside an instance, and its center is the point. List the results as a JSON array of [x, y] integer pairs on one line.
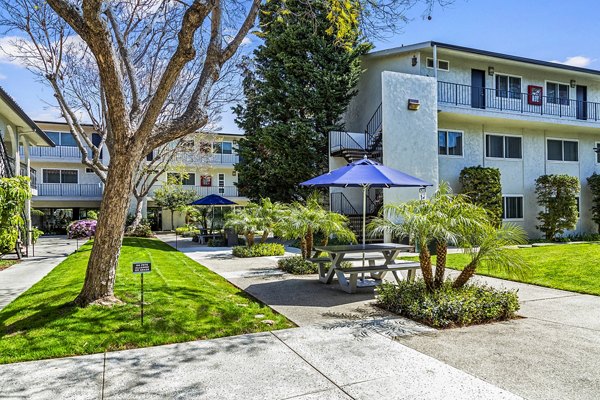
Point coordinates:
[[7, 263], [183, 301], [574, 267]]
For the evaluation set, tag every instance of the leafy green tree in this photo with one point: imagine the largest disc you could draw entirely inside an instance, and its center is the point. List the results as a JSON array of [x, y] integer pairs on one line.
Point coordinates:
[[557, 195], [594, 185], [244, 221], [299, 84], [173, 198], [482, 185], [13, 194]]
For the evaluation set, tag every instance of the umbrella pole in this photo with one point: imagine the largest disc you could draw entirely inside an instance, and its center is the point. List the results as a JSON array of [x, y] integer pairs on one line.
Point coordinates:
[[364, 226]]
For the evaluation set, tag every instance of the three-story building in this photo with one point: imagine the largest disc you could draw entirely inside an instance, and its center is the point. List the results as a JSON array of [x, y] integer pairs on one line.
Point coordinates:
[[431, 109]]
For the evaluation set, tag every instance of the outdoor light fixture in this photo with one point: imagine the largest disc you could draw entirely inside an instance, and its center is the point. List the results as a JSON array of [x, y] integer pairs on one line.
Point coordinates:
[[491, 71], [597, 150], [413, 104], [422, 193], [573, 83], [414, 61]]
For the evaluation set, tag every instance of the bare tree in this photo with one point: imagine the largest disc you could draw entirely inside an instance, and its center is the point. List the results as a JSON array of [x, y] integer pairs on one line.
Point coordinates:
[[150, 69]]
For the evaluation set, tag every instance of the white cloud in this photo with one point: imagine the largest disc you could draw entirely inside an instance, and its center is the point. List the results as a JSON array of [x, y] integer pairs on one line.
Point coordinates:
[[2, 76], [10, 48], [575, 61]]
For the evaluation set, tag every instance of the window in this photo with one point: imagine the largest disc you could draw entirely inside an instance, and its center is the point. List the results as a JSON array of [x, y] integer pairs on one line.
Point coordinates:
[[442, 64], [187, 145], [60, 176], [597, 154], [223, 147], [557, 93], [562, 150], [62, 138], [89, 171], [508, 86], [450, 143], [206, 180], [498, 146], [512, 207], [185, 179], [221, 183]]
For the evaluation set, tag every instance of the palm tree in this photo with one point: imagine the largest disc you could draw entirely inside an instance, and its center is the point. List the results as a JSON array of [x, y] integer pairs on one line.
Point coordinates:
[[245, 222], [269, 213], [487, 244]]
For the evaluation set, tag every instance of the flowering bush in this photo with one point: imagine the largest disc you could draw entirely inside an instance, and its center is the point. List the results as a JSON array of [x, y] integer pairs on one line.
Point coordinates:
[[81, 229]]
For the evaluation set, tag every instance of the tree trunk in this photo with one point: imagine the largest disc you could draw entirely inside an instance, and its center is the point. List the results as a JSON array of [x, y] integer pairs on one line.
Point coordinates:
[[138, 214], [101, 270], [465, 275], [172, 223], [441, 249], [250, 239], [265, 236], [309, 241], [426, 270], [303, 248]]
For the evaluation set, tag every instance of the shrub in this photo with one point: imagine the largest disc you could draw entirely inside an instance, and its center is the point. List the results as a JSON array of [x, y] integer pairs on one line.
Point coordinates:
[[217, 242], [35, 234], [297, 265], [448, 307], [594, 185], [142, 230], [81, 229], [92, 214], [259, 250], [482, 185], [187, 231], [557, 195]]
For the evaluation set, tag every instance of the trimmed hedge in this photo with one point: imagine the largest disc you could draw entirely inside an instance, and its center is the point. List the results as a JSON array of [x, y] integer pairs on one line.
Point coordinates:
[[142, 230], [448, 307], [187, 231], [296, 265], [482, 185], [259, 250], [557, 196]]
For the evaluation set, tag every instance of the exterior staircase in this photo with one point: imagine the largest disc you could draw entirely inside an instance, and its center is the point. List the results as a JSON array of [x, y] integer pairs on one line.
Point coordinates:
[[5, 165]]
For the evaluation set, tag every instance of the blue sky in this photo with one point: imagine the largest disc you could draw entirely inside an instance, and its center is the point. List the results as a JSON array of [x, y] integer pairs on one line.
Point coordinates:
[[552, 30]]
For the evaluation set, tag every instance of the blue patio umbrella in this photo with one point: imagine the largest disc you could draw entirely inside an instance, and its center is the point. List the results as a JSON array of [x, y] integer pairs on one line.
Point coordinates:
[[213, 200], [366, 174]]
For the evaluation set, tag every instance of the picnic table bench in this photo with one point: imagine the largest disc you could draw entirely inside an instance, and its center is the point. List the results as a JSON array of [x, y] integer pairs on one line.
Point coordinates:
[[387, 252], [203, 238]]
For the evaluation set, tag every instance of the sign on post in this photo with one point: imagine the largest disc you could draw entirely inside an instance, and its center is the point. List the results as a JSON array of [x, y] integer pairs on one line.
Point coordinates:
[[142, 268]]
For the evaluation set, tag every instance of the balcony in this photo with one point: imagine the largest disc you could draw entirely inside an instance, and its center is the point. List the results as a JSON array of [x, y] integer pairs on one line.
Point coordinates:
[[216, 158], [517, 102], [63, 152], [201, 191], [23, 171], [70, 189]]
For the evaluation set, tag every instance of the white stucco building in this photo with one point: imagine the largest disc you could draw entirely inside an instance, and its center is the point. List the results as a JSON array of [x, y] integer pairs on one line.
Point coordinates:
[[526, 117], [67, 190]]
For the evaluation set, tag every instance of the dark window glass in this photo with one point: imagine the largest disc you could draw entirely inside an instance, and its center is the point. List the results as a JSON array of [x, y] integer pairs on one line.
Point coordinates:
[[442, 142], [598, 153], [501, 86], [227, 147], [190, 180], [443, 65], [455, 143], [571, 151], [67, 139], [563, 94], [51, 176], [551, 92], [494, 146], [68, 176], [430, 63], [55, 137], [512, 208], [555, 150], [515, 87], [513, 147]]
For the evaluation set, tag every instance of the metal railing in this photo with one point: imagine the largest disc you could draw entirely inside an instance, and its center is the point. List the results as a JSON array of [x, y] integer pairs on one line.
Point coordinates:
[[201, 191], [340, 140], [340, 204], [56, 152], [216, 158], [70, 189], [503, 100], [23, 171], [374, 130]]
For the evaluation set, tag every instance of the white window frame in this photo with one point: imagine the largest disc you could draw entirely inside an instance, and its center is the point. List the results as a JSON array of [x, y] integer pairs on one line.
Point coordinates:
[[563, 151], [438, 62], [568, 85], [221, 183], [182, 173], [503, 146], [504, 196], [61, 169], [61, 132], [508, 91], [462, 155]]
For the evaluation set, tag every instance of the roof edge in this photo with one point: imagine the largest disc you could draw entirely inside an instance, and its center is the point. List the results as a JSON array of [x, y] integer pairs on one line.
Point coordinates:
[[19, 111]]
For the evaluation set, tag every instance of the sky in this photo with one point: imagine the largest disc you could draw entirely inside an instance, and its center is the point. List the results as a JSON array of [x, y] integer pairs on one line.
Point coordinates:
[[550, 30]]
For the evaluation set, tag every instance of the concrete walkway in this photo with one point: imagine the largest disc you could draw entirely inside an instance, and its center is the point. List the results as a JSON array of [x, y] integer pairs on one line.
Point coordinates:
[[49, 252], [302, 363], [551, 353]]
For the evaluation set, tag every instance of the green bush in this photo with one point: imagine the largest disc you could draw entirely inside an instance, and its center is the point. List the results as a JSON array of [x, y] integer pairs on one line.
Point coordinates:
[[142, 230], [482, 185], [35, 234], [557, 196], [594, 185], [217, 242], [259, 250], [297, 265], [187, 231], [448, 307]]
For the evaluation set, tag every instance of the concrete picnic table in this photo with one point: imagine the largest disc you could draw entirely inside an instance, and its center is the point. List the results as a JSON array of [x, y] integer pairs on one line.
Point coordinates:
[[337, 254]]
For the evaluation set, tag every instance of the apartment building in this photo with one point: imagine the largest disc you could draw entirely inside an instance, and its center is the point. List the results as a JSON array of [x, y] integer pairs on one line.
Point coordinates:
[[18, 131], [431, 109], [67, 190]]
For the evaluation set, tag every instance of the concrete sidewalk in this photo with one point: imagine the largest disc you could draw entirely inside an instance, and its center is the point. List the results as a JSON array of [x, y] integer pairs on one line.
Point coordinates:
[[49, 252], [304, 363], [552, 353]]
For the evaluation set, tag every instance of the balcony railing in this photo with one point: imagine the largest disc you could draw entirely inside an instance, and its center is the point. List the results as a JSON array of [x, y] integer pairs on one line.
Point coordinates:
[[23, 171], [201, 191], [70, 189], [192, 158], [56, 152], [496, 99]]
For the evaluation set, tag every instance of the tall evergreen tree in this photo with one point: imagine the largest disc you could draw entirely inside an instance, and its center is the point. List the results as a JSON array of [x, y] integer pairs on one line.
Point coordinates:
[[296, 88]]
